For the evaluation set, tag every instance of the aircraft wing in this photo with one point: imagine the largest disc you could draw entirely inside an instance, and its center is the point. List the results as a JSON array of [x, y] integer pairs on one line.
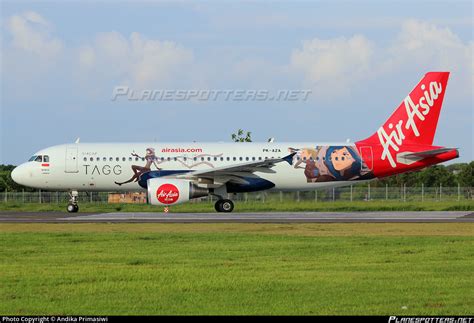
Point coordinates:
[[236, 172]]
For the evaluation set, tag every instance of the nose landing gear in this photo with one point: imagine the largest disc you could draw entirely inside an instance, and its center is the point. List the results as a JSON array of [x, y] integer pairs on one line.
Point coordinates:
[[72, 206]]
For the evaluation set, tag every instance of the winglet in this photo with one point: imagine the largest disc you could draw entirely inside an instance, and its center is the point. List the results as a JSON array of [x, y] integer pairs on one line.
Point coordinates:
[[289, 158]]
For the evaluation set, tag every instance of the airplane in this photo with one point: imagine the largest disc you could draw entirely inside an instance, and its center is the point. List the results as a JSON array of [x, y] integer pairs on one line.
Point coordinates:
[[173, 173]]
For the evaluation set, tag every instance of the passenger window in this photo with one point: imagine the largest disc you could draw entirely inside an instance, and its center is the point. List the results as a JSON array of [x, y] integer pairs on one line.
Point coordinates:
[[228, 158], [130, 159], [222, 158], [123, 159], [234, 158], [208, 158], [260, 158], [240, 158], [85, 158], [91, 159], [111, 159], [104, 159], [195, 159], [98, 158]]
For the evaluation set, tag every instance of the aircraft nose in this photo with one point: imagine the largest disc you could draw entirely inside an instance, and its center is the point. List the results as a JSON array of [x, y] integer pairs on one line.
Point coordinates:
[[20, 174]]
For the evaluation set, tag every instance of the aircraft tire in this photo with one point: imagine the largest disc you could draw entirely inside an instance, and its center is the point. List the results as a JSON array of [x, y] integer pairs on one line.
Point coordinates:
[[227, 206], [72, 208]]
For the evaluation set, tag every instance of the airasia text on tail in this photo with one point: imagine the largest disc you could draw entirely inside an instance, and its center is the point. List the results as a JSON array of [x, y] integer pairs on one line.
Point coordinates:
[[397, 136]]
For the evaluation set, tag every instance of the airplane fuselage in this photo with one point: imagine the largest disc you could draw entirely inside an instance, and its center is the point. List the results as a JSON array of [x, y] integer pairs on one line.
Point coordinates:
[[100, 166]]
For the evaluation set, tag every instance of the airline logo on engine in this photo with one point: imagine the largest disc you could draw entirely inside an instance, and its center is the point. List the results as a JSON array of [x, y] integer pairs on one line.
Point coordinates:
[[167, 194], [395, 139]]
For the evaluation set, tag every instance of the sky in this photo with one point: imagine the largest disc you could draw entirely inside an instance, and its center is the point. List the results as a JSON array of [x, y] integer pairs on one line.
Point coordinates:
[[61, 62]]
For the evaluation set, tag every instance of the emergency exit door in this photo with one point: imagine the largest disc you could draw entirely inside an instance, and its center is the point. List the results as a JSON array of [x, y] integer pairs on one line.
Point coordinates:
[[367, 158]]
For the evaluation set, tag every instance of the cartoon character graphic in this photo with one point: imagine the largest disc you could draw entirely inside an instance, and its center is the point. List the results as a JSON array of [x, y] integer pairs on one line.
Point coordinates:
[[150, 159], [330, 163]]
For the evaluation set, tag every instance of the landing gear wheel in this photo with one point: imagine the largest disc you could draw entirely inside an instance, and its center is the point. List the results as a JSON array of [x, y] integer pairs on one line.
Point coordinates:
[[227, 206], [224, 206], [217, 205], [72, 208]]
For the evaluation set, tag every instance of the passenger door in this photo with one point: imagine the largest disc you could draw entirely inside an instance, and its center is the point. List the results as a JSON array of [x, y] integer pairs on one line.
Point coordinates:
[[71, 160]]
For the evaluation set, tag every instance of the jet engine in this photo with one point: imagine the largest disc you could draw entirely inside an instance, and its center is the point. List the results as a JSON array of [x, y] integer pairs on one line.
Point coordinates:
[[169, 191]]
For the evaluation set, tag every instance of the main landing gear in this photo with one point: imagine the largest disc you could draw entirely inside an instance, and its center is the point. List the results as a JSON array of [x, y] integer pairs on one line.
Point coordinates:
[[72, 206], [224, 205]]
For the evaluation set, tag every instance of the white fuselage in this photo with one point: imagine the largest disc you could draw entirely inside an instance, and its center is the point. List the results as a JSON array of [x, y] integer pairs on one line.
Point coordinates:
[[100, 166]]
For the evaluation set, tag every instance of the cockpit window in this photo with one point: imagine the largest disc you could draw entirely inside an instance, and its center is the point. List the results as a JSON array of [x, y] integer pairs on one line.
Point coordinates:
[[39, 158]]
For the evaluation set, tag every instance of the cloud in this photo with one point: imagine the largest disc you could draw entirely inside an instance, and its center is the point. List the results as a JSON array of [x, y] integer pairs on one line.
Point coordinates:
[[136, 60], [31, 33], [32, 57], [329, 66], [87, 57], [422, 45], [333, 65]]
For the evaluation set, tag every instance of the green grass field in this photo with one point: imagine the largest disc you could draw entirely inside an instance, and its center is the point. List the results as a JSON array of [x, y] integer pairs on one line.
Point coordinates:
[[269, 206], [404, 269]]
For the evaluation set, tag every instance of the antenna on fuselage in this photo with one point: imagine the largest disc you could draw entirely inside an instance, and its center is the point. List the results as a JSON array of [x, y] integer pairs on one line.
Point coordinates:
[[271, 139], [77, 140]]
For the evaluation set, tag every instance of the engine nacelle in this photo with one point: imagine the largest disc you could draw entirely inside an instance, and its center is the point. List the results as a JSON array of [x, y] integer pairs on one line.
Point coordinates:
[[169, 191]]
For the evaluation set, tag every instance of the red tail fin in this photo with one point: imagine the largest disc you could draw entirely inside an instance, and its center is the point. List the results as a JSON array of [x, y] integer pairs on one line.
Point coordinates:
[[414, 121], [416, 118], [413, 125]]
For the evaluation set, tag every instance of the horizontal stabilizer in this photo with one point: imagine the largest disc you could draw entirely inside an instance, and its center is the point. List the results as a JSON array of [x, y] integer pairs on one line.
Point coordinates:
[[409, 157]]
